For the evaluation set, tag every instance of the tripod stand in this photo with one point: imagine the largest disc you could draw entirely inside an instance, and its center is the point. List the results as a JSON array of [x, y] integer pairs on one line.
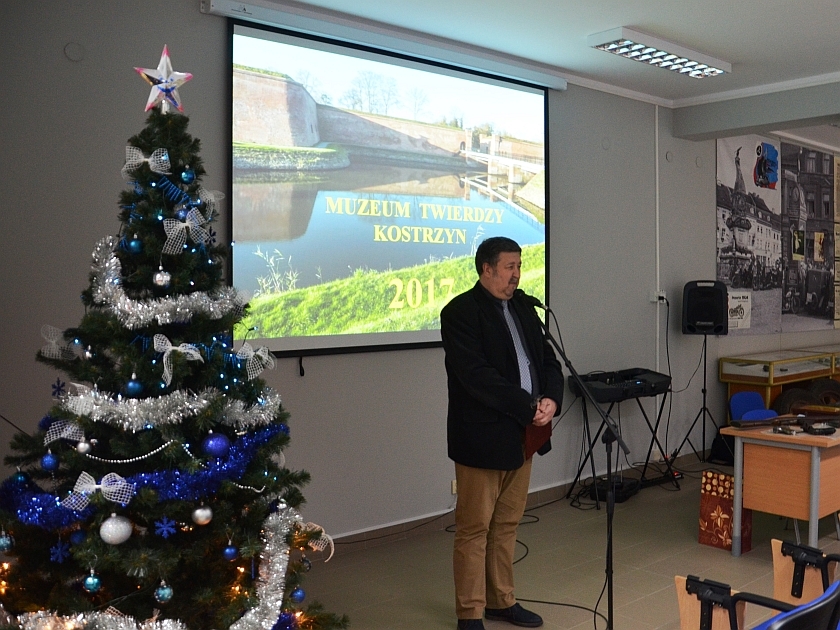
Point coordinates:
[[703, 413], [611, 434]]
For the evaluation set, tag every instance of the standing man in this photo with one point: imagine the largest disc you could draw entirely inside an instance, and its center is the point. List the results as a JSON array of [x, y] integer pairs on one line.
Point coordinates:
[[503, 378]]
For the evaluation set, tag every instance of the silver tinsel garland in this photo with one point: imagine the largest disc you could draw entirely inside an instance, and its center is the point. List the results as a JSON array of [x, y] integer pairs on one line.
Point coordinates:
[[106, 284], [45, 620], [274, 561], [137, 414]]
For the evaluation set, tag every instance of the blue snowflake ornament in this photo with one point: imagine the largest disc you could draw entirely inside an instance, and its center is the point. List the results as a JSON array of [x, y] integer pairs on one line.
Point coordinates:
[[58, 388], [165, 527], [59, 552]]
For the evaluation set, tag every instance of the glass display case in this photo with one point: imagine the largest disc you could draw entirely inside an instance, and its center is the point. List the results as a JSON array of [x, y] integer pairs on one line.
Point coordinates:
[[778, 367], [834, 351]]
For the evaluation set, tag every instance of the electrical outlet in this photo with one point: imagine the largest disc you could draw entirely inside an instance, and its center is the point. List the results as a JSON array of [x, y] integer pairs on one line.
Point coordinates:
[[657, 296], [454, 487]]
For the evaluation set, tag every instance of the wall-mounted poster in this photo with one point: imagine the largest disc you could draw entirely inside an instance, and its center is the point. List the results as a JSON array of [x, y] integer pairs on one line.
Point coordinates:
[[740, 309], [749, 232], [836, 237], [808, 237]]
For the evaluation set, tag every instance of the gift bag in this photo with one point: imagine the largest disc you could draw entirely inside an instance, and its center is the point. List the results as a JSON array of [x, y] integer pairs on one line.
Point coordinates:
[[716, 496]]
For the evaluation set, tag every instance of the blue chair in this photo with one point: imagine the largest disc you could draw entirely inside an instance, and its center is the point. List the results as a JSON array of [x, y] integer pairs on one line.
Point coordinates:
[[746, 406], [822, 613]]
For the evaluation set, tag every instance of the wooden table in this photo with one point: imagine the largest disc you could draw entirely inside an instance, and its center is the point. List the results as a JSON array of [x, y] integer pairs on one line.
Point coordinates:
[[780, 474]]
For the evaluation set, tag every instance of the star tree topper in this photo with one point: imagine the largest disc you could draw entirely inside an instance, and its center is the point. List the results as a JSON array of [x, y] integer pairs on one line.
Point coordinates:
[[165, 84]]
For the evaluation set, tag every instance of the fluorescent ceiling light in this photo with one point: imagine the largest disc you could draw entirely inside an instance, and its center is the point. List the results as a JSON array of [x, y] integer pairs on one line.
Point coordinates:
[[653, 51]]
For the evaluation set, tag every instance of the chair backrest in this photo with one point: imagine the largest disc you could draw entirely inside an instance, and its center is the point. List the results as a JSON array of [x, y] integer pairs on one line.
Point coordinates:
[[819, 614], [742, 402]]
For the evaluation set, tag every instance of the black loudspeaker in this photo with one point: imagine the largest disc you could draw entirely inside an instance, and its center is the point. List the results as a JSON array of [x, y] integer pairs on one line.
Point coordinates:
[[705, 308]]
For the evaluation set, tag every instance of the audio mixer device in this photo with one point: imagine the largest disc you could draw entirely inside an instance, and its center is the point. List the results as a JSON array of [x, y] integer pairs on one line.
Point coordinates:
[[608, 387]]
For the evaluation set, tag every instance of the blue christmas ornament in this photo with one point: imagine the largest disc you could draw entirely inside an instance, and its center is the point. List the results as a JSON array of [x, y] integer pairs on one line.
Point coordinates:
[[45, 422], [135, 245], [92, 583], [58, 388], [134, 387], [286, 621], [230, 552], [78, 537], [6, 541], [20, 477], [50, 462], [163, 593], [297, 595], [59, 552], [216, 445], [188, 175], [165, 527]]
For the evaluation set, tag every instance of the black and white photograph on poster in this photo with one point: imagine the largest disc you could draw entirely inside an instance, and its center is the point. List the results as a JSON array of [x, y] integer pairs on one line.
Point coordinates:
[[836, 295], [749, 225], [740, 309], [807, 238], [836, 239]]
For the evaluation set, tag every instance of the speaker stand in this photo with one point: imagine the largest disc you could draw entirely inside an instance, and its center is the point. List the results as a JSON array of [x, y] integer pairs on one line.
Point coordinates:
[[703, 413]]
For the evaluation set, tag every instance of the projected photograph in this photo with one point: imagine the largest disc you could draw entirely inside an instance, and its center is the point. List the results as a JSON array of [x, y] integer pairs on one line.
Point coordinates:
[[363, 184]]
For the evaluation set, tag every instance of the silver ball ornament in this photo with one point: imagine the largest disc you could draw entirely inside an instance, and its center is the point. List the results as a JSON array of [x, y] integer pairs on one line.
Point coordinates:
[[116, 529], [279, 458], [83, 447], [202, 515], [162, 278]]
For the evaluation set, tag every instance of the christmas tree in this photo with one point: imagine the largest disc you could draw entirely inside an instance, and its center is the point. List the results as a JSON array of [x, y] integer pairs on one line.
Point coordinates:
[[154, 494]]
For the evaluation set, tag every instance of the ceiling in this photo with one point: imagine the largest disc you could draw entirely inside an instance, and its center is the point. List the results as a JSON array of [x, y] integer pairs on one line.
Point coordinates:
[[773, 45]]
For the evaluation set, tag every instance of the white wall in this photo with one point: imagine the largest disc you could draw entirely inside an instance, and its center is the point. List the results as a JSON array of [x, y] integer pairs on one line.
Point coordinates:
[[370, 428]]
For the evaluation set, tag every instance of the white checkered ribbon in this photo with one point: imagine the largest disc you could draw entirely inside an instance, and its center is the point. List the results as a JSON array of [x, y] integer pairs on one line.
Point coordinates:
[[64, 429], [255, 360], [176, 232], [211, 198], [158, 161], [322, 542], [52, 349], [113, 487], [162, 344], [81, 404]]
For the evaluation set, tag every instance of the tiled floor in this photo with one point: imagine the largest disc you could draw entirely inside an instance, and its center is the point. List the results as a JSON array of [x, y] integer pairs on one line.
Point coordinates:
[[406, 584]]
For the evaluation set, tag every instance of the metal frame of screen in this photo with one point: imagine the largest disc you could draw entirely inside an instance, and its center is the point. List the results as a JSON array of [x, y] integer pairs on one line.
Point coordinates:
[[264, 191]]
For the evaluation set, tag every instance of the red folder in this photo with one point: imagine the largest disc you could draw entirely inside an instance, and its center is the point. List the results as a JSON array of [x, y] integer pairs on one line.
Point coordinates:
[[535, 437]]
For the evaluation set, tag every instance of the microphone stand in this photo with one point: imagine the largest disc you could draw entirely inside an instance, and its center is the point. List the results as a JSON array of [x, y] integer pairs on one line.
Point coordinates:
[[611, 434]]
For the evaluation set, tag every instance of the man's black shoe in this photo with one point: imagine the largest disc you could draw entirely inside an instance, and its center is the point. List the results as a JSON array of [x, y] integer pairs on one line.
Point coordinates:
[[470, 624], [516, 615]]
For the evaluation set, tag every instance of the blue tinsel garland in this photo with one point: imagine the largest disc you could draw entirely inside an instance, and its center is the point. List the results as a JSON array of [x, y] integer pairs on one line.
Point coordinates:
[[33, 506]]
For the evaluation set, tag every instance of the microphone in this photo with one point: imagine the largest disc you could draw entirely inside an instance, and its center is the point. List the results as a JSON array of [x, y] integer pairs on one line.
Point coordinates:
[[530, 300]]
